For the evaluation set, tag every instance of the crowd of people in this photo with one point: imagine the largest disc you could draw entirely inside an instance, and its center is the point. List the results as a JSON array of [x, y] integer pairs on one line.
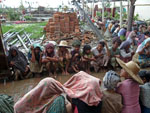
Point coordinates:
[[82, 93]]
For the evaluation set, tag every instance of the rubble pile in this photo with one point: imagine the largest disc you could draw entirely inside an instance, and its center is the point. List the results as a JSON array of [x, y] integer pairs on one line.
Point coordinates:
[[65, 26]]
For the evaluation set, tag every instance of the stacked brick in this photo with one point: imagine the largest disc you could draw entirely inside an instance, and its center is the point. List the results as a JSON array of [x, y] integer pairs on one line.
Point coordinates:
[[62, 23]]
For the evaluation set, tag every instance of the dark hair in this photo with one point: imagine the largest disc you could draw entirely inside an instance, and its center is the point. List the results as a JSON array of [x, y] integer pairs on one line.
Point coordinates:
[[116, 39], [146, 33], [102, 43], [85, 48], [145, 74]]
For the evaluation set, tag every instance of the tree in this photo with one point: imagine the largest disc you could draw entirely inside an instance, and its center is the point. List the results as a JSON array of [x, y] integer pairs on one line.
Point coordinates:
[[131, 14]]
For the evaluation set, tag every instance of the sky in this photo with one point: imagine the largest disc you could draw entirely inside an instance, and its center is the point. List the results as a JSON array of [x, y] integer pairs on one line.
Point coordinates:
[[35, 3]]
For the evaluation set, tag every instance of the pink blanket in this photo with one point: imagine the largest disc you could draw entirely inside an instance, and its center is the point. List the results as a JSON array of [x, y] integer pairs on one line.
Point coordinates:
[[85, 87]]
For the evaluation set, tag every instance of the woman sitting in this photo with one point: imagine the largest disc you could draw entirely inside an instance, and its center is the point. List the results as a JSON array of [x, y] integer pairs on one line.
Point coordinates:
[[18, 62], [64, 57], [145, 91], [144, 53], [115, 52], [126, 52], [75, 62], [35, 57], [85, 92], [50, 59], [129, 88], [87, 57], [46, 97], [101, 55], [111, 101]]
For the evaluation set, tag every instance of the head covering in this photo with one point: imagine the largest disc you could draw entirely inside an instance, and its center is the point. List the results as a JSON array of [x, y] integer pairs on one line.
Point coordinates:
[[132, 34], [145, 41], [84, 87], [63, 43], [132, 69], [125, 44], [37, 45], [102, 43], [50, 45], [76, 43], [20, 61], [39, 99], [85, 48], [111, 80], [116, 39]]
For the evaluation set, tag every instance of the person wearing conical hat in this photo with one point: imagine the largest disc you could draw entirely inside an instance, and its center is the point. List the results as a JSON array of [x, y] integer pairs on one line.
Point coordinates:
[[64, 57], [129, 88]]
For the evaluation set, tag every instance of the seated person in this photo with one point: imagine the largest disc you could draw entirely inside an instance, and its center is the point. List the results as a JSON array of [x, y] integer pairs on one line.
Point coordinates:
[[35, 57], [85, 92], [64, 57], [114, 51], [47, 97], [111, 101], [50, 59], [18, 61], [145, 91], [126, 52], [144, 53], [87, 57], [75, 62], [129, 88], [101, 55]]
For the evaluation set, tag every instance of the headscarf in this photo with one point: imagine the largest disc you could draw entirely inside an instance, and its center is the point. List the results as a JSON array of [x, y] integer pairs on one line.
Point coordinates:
[[132, 34], [37, 45], [50, 45], [39, 99], [141, 46], [124, 44], [20, 61], [84, 87], [111, 80], [76, 43], [85, 48]]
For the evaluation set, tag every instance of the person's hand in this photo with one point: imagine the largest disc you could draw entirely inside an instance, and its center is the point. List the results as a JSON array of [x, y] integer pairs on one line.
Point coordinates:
[[32, 48], [132, 53], [12, 63], [77, 54], [61, 59], [118, 56]]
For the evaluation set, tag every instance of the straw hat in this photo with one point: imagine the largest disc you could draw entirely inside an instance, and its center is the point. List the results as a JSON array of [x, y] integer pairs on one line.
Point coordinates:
[[63, 44], [132, 69]]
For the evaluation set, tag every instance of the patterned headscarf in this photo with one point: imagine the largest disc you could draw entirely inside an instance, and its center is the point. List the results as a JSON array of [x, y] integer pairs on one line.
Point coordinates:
[[111, 80], [124, 44], [50, 45]]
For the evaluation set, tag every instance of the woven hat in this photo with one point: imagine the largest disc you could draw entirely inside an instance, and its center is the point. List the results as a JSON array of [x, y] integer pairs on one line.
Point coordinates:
[[132, 69], [63, 44]]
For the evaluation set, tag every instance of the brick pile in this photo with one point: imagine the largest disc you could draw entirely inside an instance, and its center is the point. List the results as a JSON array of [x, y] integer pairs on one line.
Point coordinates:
[[61, 24]]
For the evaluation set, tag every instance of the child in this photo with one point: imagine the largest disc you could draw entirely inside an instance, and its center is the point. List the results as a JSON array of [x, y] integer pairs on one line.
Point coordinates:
[[87, 57], [76, 56], [35, 57], [111, 101], [64, 57]]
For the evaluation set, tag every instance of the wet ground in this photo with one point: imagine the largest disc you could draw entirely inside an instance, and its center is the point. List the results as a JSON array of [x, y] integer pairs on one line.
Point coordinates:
[[18, 88]]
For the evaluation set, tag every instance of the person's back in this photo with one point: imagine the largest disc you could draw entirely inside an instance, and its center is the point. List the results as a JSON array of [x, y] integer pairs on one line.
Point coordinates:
[[111, 102], [129, 89]]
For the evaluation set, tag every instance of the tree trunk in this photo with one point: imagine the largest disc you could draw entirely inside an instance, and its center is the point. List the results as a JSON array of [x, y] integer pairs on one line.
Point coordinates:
[[131, 15]]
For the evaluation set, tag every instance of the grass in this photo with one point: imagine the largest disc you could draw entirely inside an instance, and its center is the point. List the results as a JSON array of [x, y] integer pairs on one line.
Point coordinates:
[[36, 29]]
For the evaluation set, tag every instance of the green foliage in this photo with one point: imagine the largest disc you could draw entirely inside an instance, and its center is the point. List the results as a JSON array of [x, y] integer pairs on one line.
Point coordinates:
[[99, 14], [136, 17], [36, 29], [27, 17]]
